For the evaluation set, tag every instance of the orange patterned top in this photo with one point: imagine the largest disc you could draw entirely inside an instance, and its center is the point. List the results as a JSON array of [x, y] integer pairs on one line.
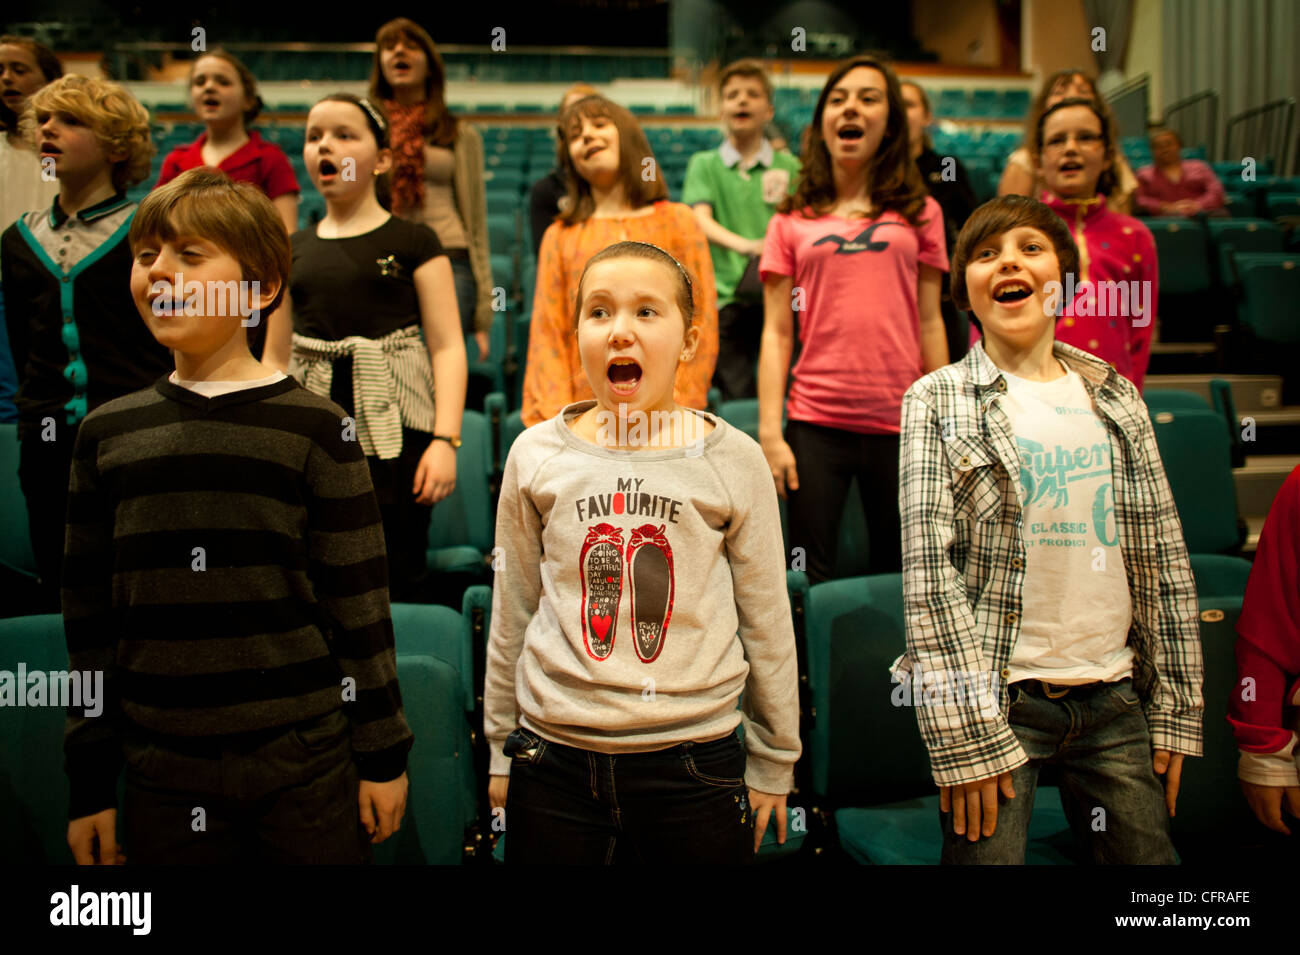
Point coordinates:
[[554, 376]]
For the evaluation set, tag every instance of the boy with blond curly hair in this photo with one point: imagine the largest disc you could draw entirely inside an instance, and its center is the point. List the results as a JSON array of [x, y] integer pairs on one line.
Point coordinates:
[[74, 333]]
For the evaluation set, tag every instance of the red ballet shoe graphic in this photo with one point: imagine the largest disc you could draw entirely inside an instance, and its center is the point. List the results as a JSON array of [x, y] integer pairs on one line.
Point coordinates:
[[601, 564], [650, 578]]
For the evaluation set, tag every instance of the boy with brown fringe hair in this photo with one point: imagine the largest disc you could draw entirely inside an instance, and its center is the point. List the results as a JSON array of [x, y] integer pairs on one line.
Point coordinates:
[[225, 570]]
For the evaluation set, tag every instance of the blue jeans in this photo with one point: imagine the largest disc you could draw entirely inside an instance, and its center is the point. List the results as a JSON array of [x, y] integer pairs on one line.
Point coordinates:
[[684, 804], [1099, 739], [462, 274]]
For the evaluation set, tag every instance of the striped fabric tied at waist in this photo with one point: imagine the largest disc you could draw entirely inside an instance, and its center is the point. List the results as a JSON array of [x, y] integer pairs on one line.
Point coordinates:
[[392, 383]]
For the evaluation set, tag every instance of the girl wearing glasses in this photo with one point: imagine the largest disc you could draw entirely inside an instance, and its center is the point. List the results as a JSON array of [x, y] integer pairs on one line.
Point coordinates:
[[1110, 305], [1021, 178]]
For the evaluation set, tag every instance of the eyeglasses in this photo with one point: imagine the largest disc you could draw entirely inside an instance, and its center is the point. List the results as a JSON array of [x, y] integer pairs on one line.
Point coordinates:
[[1059, 142]]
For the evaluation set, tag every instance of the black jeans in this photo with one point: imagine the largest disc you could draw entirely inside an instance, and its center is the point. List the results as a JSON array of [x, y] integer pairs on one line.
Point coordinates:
[[681, 805], [288, 796], [406, 523], [44, 469], [740, 334], [827, 460]]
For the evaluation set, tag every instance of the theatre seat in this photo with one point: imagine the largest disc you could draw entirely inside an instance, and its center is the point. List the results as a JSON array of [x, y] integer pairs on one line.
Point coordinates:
[[1182, 247], [33, 787], [1270, 286], [1213, 820], [436, 676], [907, 833], [1197, 458], [435, 673], [1220, 576], [868, 760], [460, 531], [1241, 236]]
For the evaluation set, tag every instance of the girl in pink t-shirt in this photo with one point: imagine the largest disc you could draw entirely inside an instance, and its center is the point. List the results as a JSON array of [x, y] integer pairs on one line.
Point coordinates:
[[858, 253]]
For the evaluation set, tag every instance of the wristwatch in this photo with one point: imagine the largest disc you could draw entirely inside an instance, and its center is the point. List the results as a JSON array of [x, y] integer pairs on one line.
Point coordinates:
[[452, 439]]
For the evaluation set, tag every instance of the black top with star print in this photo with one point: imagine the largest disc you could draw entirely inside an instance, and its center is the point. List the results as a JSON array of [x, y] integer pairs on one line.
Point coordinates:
[[359, 285]]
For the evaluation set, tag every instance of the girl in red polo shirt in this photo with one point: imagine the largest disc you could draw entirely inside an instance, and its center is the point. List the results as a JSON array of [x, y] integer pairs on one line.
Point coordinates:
[[858, 251], [224, 94]]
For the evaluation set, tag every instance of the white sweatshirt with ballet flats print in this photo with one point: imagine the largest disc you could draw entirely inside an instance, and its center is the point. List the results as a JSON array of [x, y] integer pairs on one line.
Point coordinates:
[[639, 593]]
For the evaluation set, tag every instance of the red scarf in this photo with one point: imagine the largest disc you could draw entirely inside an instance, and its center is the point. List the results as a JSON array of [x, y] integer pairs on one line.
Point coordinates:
[[406, 136]]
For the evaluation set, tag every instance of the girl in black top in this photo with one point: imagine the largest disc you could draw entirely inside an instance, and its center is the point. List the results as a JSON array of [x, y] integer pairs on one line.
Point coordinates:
[[371, 321]]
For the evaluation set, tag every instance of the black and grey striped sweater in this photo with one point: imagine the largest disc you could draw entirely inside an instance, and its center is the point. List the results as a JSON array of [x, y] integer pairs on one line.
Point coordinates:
[[225, 568]]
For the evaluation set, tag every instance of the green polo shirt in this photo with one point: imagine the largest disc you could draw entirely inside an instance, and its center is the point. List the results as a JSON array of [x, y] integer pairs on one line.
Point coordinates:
[[743, 200]]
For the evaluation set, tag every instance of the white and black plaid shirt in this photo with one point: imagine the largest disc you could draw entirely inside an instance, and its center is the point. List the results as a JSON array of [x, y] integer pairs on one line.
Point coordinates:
[[964, 560]]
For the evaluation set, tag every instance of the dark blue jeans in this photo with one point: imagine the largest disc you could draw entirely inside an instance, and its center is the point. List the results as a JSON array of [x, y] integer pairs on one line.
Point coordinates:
[[685, 804], [1115, 805]]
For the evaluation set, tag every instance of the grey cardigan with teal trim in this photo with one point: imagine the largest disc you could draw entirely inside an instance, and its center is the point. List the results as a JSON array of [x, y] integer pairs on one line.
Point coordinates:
[[105, 350]]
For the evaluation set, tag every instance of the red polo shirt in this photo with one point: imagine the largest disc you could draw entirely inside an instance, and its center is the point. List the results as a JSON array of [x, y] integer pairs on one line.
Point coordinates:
[[263, 164]]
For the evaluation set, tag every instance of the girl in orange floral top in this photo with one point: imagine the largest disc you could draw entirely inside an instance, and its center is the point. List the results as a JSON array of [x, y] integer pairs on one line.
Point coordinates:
[[616, 194]]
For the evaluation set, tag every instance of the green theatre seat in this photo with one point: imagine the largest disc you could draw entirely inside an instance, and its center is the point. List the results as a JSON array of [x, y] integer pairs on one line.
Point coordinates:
[[502, 234], [1212, 818], [487, 375], [33, 787], [511, 427], [1173, 399], [460, 531], [1270, 287], [502, 265], [436, 676], [1230, 236], [908, 833], [1182, 247], [741, 414], [1197, 457], [1282, 204], [868, 759], [1220, 575]]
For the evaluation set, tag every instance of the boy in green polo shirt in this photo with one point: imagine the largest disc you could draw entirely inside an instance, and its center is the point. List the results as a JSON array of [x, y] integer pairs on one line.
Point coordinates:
[[734, 190]]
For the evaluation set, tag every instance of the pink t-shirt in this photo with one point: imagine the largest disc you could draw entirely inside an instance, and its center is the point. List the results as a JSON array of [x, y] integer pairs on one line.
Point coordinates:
[[859, 325]]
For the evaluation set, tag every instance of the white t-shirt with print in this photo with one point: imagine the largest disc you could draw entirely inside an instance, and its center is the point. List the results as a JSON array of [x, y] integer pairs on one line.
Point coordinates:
[[1076, 611]]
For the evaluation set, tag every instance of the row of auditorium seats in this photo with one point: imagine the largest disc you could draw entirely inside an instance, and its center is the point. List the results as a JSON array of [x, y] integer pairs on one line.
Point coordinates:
[[864, 787], [520, 67]]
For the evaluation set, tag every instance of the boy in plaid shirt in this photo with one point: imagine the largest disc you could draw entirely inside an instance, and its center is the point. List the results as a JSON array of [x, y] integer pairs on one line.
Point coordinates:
[[1041, 544]]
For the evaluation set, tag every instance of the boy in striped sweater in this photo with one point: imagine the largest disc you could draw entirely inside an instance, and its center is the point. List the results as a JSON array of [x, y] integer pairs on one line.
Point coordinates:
[[225, 569]]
